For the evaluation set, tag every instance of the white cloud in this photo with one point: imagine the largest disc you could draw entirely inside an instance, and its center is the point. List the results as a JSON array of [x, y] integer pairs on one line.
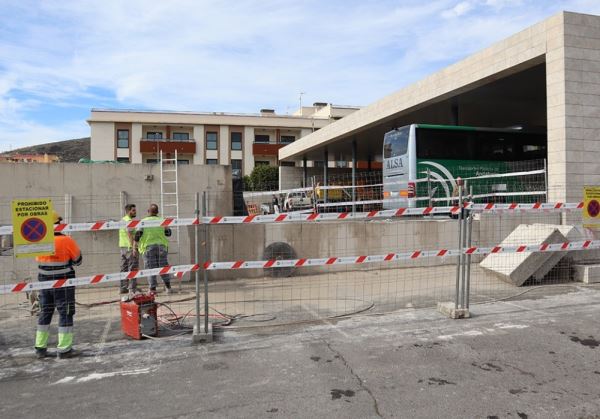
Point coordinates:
[[460, 9]]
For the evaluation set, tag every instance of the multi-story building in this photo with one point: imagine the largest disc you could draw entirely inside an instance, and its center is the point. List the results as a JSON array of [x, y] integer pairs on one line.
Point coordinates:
[[240, 140], [29, 158]]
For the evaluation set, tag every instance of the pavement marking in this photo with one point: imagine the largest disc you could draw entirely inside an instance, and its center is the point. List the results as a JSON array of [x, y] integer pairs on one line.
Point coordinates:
[[545, 313], [316, 316], [101, 375], [103, 337], [455, 335]]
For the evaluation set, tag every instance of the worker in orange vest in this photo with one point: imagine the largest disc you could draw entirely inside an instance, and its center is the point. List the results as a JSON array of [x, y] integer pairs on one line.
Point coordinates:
[[50, 268]]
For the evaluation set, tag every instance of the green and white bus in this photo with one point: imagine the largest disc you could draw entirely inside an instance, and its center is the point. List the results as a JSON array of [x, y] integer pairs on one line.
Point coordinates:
[[421, 162]]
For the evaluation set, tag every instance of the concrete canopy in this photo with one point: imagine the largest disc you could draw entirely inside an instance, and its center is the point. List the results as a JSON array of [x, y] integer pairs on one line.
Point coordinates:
[[545, 77]]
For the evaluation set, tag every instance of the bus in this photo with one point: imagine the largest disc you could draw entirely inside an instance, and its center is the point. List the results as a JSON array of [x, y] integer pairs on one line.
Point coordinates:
[[421, 162]]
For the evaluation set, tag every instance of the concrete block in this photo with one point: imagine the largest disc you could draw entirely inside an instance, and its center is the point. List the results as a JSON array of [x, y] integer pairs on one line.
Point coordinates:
[[516, 268], [588, 274], [202, 336], [449, 309]]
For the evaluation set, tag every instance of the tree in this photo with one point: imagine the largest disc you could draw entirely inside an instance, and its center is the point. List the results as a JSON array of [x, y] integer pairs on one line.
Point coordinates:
[[262, 178]]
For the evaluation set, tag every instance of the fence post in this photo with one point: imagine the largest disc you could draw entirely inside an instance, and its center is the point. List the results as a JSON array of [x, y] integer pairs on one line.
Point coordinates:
[[199, 335], [468, 258], [457, 309], [206, 258], [460, 244]]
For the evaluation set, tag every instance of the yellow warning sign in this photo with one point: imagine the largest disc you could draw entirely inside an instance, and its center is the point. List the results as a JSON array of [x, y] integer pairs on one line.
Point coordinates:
[[33, 227], [591, 206]]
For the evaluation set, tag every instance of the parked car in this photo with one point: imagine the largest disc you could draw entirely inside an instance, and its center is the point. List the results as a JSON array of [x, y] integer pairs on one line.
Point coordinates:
[[297, 201]]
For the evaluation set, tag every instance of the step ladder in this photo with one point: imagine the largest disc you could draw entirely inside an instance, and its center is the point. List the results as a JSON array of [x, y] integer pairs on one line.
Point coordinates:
[[169, 198]]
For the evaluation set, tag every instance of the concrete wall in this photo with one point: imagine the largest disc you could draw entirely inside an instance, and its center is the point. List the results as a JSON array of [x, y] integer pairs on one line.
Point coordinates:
[[98, 192], [576, 104]]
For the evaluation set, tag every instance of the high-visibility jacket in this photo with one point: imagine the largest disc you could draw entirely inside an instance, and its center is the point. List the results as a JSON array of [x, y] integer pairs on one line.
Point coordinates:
[[124, 234], [66, 254], [152, 235]]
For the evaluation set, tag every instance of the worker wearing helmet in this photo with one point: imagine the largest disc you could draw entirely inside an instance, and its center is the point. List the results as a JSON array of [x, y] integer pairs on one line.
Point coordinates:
[[50, 268], [153, 245]]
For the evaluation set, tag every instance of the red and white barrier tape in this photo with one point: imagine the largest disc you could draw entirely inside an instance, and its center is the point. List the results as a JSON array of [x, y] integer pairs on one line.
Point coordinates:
[[177, 271], [296, 217], [303, 262]]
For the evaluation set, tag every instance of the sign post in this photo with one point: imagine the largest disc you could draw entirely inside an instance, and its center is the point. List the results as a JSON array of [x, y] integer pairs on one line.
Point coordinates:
[[33, 227]]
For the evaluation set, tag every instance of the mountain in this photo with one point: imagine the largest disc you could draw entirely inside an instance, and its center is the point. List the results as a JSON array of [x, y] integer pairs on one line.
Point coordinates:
[[69, 151]]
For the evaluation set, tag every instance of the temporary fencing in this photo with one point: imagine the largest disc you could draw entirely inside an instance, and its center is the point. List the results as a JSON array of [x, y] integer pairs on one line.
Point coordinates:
[[98, 278], [283, 268]]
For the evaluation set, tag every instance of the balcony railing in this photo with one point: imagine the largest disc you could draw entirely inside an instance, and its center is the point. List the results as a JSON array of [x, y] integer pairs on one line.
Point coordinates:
[[167, 145], [266, 149]]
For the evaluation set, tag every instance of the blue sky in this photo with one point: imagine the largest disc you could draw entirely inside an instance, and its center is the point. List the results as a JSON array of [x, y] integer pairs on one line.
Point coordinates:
[[59, 59]]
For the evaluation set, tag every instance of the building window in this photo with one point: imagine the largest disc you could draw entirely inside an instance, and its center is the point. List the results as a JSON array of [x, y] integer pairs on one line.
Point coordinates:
[[123, 159], [236, 140], [179, 161], [123, 138], [211, 141], [211, 161], [236, 168], [154, 136], [261, 163], [181, 136], [287, 163], [286, 139], [152, 161], [261, 138]]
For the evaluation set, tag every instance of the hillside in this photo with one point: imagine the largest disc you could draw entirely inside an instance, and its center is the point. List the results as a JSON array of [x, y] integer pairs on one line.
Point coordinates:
[[69, 151]]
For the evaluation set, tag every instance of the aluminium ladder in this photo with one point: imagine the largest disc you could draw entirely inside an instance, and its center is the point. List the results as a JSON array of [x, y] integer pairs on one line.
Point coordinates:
[[169, 194]]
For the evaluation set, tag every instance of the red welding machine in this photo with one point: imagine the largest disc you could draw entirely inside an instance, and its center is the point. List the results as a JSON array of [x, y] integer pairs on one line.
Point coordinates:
[[138, 316]]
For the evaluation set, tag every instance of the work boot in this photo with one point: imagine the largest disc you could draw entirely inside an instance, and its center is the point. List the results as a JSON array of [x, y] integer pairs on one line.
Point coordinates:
[[168, 290], [41, 353], [124, 291], [66, 355]]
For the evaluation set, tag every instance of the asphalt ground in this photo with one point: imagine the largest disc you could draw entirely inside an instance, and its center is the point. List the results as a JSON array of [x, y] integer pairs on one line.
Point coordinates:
[[537, 356]]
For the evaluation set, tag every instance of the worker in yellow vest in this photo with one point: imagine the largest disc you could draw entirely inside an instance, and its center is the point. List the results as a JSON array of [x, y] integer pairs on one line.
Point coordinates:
[[130, 259], [153, 245]]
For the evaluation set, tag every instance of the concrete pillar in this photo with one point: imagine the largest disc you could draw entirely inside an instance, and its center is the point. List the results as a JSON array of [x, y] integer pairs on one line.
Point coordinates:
[[198, 135], [353, 174], [325, 173], [134, 143], [304, 171], [248, 140], [224, 144]]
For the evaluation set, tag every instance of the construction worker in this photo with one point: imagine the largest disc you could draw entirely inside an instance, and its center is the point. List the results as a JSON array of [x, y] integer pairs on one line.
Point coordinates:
[[50, 268], [130, 259], [153, 245]]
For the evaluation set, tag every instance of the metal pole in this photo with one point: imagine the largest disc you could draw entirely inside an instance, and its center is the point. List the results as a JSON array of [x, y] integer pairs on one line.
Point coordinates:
[[546, 180], [206, 257], [429, 188], [463, 246], [305, 172], [354, 176], [469, 244], [325, 171], [460, 250], [197, 261]]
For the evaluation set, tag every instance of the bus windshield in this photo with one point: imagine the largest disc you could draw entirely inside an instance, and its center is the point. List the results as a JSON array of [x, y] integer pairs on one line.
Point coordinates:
[[395, 143]]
